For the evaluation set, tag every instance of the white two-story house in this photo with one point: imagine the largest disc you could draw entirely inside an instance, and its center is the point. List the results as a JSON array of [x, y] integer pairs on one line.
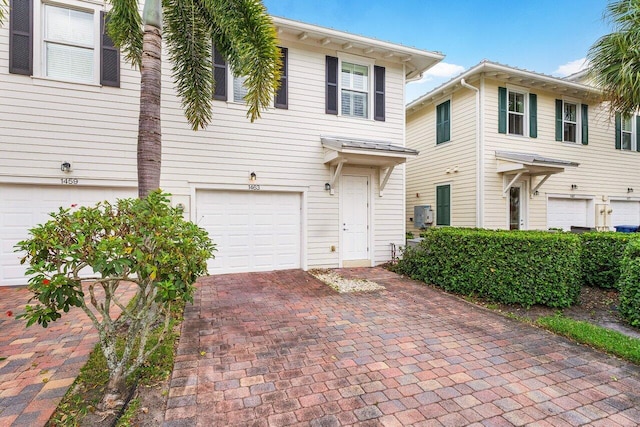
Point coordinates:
[[318, 181], [506, 148]]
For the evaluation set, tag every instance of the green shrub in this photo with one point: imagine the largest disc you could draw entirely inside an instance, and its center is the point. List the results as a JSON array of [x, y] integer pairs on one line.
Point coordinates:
[[601, 257], [525, 267], [144, 241], [629, 284]]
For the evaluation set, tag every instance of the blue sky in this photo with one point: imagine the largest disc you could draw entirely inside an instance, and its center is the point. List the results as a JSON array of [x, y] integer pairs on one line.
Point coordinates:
[[546, 36]]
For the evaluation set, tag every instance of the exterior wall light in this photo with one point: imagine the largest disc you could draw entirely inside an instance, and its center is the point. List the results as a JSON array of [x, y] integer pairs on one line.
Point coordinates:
[[327, 186], [65, 167], [253, 177], [629, 190], [574, 187]]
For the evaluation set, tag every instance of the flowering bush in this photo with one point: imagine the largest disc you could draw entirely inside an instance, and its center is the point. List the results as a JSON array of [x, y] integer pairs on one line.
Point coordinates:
[[144, 241]]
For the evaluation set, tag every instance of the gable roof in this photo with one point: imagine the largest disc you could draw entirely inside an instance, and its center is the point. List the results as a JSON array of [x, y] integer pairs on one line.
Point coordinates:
[[508, 74], [415, 60]]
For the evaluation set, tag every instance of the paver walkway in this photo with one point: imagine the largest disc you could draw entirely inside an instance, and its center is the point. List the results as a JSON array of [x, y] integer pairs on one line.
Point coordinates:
[[40, 363], [283, 349]]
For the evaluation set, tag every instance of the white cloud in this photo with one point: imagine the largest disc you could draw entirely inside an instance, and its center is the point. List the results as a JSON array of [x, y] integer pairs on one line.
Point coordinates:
[[441, 70], [431, 79], [571, 67]]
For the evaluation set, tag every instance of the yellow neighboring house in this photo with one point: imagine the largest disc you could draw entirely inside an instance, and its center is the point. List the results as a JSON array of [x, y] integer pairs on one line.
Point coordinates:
[[506, 148]]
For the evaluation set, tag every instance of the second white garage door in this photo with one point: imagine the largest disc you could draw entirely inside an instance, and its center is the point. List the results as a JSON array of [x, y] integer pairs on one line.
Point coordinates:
[[253, 231], [625, 212], [565, 212], [25, 206]]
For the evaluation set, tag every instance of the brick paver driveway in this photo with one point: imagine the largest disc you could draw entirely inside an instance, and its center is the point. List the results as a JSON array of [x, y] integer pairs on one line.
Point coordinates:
[[38, 365], [283, 349]]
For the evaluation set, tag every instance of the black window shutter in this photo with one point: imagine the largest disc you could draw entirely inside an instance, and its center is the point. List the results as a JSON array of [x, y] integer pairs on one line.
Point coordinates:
[[219, 76], [443, 122], [378, 102], [559, 127], [109, 56], [502, 110], [332, 85], [637, 133], [585, 124], [447, 121], [533, 115], [281, 100], [21, 37], [618, 131]]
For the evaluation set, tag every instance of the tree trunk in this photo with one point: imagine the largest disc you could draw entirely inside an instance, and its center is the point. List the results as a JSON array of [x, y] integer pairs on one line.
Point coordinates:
[[149, 129], [116, 388]]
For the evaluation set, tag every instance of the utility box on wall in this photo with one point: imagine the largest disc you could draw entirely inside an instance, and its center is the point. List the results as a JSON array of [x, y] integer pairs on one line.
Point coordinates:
[[422, 216]]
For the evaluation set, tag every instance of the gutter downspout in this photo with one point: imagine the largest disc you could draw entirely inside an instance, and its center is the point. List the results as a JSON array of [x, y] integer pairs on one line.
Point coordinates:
[[479, 156]]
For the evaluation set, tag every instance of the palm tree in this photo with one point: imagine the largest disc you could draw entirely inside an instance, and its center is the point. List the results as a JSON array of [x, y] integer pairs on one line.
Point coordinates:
[[241, 31], [615, 58]]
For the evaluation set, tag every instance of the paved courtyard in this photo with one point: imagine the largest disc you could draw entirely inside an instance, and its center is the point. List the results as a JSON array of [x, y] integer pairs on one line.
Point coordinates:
[[38, 365], [281, 348]]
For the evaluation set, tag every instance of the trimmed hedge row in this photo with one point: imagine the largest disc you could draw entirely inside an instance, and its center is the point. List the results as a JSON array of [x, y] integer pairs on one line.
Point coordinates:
[[601, 258], [629, 284], [525, 267]]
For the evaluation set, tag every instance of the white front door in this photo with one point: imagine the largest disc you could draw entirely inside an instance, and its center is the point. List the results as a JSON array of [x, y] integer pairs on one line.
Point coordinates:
[[355, 217]]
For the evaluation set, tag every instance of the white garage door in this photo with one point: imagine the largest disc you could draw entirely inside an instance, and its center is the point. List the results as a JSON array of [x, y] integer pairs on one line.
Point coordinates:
[[253, 231], [625, 212], [563, 213], [24, 206]]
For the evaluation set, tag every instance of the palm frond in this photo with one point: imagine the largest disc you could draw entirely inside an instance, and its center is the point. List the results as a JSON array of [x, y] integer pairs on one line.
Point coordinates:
[[244, 33], [4, 6], [188, 38], [125, 29], [615, 58]]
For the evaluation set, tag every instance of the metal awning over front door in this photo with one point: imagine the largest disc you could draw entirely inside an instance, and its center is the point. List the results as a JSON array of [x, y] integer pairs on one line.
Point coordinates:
[[515, 166], [384, 155]]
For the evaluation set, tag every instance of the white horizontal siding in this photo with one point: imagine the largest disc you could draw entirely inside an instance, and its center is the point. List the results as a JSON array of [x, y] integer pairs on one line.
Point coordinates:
[[604, 172], [436, 164], [95, 128]]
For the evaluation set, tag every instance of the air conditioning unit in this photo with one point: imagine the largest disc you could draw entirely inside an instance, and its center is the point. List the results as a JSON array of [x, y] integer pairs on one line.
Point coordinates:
[[422, 216]]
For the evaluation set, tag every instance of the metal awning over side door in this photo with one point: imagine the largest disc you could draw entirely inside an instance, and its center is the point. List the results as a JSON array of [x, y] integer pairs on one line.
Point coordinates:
[[384, 155]]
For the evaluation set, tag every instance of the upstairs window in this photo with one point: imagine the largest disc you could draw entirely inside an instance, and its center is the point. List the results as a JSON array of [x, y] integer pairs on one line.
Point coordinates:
[[62, 43], [516, 113], [354, 80], [626, 129], [68, 44], [627, 132], [239, 89], [572, 122], [443, 122], [222, 74], [354, 89]]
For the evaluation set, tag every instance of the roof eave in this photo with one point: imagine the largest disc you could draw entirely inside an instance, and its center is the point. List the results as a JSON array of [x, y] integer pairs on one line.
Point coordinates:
[[416, 60], [488, 67]]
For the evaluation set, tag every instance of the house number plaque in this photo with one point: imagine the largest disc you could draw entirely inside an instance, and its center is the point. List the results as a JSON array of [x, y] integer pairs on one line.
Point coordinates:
[[254, 187], [69, 181]]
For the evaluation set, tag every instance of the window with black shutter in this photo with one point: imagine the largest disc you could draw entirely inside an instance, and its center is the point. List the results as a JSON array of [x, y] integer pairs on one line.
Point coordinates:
[[281, 100], [331, 106], [21, 37], [219, 75], [109, 56]]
